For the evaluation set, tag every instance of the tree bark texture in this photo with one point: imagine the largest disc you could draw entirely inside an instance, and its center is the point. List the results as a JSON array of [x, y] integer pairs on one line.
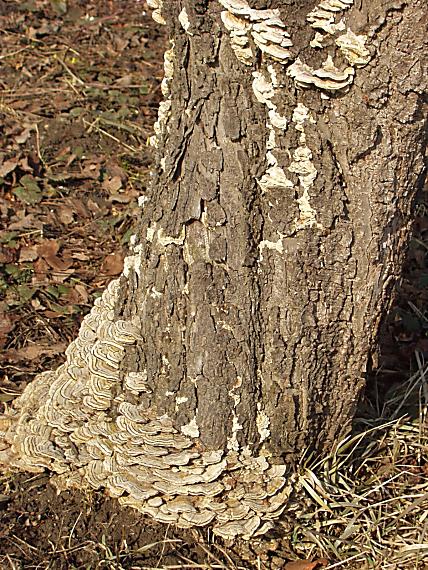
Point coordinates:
[[290, 148]]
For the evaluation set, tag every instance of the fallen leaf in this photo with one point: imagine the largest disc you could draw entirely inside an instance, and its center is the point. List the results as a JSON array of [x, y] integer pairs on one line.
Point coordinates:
[[25, 293], [81, 290], [28, 253], [80, 208], [24, 164], [28, 195], [25, 222], [40, 268], [7, 167], [33, 351], [23, 137], [61, 276], [80, 256], [48, 247], [65, 215], [125, 80], [306, 564], [36, 304], [92, 171], [60, 6], [6, 324], [7, 255], [58, 264], [112, 184], [112, 264], [113, 169]]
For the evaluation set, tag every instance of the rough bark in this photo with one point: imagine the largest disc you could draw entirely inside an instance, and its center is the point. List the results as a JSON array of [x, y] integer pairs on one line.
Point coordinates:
[[238, 336]]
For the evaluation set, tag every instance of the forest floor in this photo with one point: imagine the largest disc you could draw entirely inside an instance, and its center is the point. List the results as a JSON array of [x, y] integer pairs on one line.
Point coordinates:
[[79, 89]]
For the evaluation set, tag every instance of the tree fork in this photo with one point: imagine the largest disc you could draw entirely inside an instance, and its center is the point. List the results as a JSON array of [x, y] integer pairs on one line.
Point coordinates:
[[289, 150]]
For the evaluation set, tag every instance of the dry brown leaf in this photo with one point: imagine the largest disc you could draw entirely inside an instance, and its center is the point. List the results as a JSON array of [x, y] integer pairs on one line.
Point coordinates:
[[125, 80], [112, 184], [6, 324], [48, 249], [25, 222], [306, 564], [40, 268], [23, 137], [7, 255], [113, 169], [7, 167], [112, 264], [81, 290], [92, 171], [28, 253], [58, 264], [65, 215], [25, 165], [80, 208], [62, 275], [80, 256], [33, 351]]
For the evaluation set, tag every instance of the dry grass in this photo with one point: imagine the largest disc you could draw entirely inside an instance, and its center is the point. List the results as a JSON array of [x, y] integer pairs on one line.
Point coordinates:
[[366, 504]]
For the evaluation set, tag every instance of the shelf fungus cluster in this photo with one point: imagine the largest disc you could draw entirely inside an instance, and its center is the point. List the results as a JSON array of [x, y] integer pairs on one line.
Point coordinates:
[[323, 17], [353, 48], [264, 27], [156, 6], [86, 423], [328, 77]]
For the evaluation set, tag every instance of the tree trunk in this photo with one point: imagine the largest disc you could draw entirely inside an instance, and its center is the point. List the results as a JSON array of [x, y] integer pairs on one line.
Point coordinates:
[[290, 147]]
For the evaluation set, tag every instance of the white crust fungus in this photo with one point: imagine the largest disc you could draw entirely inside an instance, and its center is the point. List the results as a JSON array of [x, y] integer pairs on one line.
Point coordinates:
[[263, 423], [164, 110], [264, 90], [303, 166]]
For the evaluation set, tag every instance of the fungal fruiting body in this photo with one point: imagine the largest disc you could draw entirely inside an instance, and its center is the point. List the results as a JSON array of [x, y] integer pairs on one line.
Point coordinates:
[[89, 431], [264, 27], [87, 421]]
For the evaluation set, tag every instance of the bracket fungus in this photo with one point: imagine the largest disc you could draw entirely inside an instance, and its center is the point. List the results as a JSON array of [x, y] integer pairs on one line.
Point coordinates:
[[353, 48], [328, 77], [323, 16], [265, 27], [156, 5], [82, 423]]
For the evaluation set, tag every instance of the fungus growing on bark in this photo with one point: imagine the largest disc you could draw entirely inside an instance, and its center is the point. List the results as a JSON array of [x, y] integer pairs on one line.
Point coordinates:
[[238, 29], [328, 77], [353, 48], [89, 431], [156, 5], [183, 18], [323, 16], [265, 26]]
